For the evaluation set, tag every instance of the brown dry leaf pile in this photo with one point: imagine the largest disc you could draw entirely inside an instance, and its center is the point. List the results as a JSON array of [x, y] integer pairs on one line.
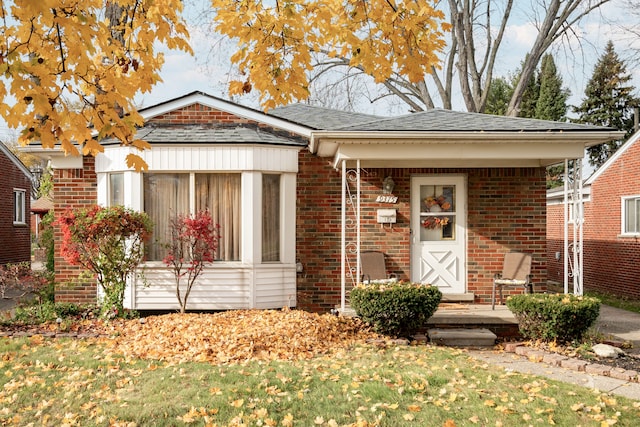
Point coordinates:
[[238, 336]]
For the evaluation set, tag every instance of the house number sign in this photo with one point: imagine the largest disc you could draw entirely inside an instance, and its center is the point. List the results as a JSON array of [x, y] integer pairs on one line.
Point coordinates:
[[387, 199]]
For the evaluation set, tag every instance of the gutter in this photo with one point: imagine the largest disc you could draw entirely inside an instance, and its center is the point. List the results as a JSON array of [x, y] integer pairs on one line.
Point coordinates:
[[587, 137]]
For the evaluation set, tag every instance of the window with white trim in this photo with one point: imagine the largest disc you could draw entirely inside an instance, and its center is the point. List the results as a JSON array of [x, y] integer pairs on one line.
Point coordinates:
[[631, 215], [116, 189], [170, 194], [19, 206], [270, 218]]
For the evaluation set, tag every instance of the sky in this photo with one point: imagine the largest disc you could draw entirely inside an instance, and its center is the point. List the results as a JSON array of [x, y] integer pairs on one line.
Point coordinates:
[[209, 72], [209, 68]]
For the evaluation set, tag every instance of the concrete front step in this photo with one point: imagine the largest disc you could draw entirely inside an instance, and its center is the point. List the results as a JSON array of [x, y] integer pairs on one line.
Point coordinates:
[[458, 337]]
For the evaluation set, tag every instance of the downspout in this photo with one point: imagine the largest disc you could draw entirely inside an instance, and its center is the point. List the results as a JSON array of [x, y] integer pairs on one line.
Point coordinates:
[[357, 224], [343, 239], [565, 217]]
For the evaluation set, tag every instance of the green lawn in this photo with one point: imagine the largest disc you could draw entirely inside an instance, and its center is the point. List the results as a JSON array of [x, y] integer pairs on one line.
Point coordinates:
[[81, 382]]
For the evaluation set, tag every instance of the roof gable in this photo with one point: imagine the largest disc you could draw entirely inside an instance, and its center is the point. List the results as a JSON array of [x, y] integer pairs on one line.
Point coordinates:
[[614, 158], [4, 149], [226, 110]]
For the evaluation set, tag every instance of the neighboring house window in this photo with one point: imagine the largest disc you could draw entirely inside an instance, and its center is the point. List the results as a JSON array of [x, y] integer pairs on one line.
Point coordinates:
[[116, 189], [170, 194], [19, 206], [631, 215], [270, 218]]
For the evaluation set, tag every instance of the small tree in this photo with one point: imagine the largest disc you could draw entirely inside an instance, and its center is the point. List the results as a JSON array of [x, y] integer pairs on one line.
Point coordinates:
[[193, 241], [109, 243]]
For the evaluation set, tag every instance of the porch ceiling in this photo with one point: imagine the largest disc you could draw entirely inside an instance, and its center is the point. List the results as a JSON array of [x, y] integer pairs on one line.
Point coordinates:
[[456, 149]]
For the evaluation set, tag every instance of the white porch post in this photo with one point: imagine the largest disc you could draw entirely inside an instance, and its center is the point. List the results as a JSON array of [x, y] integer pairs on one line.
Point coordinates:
[[578, 205], [573, 253], [345, 267]]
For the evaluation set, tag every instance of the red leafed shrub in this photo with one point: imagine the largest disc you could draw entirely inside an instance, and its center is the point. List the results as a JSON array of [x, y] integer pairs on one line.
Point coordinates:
[[193, 241], [109, 243]]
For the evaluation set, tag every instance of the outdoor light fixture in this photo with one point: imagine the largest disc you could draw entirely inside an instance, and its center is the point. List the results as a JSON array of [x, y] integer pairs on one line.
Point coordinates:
[[388, 185]]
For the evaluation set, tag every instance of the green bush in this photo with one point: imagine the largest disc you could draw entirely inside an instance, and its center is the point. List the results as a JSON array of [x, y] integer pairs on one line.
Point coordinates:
[[49, 311], [398, 309], [554, 317], [46, 240]]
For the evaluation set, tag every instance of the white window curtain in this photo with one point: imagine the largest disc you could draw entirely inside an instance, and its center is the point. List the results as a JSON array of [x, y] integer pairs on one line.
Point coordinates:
[[165, 195], [270, 218], [220, 193]]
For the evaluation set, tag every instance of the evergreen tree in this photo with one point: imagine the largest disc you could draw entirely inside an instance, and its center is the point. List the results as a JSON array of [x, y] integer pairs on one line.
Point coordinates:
[[552, 98], [498, 98], [529, 96], [609, 101]]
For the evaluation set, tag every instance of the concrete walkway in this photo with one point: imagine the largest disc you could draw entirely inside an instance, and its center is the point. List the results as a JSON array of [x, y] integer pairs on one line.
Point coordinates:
[[614, 323]]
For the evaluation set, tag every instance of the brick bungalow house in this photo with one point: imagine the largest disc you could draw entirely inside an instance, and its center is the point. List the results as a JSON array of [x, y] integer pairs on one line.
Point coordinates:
[[299, 193], [15, 196], [611, 226]]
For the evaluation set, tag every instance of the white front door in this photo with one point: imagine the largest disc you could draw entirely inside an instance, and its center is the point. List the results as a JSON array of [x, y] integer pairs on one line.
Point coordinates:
[[438, 232]]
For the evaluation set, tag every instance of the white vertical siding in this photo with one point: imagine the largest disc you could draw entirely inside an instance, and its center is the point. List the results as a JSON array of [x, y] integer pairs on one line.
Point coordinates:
[[220, 287], [206, 158]]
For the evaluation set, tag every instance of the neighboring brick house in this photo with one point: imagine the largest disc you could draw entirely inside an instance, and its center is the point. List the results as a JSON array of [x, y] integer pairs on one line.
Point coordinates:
[[611, 227], [299, 192], [15, 196]]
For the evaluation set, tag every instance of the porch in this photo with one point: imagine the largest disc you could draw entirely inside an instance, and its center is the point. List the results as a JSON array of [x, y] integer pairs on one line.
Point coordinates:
[[500, 321], [462, 316]]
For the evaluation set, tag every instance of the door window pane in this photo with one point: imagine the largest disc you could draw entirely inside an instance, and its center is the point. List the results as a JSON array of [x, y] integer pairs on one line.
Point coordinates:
[[437, 212]]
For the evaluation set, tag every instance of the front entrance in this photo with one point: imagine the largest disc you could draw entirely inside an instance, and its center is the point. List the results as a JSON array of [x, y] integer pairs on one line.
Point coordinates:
[[438, 230]]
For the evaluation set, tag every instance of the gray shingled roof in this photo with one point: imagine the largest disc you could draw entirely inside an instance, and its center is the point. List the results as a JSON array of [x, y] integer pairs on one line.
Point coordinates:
[[195, 134], [439, 120], [321, 118], [435, 120]]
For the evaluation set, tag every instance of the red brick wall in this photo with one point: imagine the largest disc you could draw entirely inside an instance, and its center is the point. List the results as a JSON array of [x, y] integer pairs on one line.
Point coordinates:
[[15, 240], [555, 239], [74, 189], [506, 211], [196, 114], [612, 263]]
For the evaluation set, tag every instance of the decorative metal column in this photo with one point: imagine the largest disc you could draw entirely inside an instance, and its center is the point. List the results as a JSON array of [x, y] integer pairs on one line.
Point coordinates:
[[573, 227], [350, 233]]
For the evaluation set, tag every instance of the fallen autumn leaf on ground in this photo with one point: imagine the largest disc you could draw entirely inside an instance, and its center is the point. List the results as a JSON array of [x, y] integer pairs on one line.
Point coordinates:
[[238, 336]]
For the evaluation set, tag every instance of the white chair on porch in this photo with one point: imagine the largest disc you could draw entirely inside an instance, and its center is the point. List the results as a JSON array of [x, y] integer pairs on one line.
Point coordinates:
[[516, 271], [374, 268]]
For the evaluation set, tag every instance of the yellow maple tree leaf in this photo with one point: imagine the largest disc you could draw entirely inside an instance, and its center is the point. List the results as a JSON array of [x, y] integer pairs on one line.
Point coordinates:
[[277, 42], [75, 70]]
